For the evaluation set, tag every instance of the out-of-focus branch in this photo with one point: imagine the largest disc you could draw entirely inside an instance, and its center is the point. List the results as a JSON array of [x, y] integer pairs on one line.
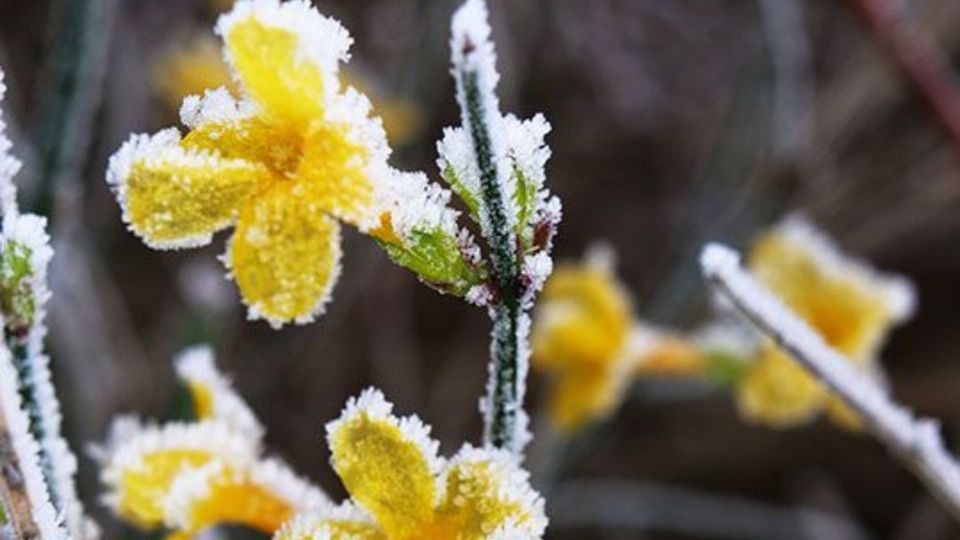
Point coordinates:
[[917, 57], [790, 52], [916, 442]]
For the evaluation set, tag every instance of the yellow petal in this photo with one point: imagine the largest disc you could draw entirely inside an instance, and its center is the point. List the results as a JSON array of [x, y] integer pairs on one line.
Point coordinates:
[[842, 415], [581, 395], [778, 392], [213, 396], [286, 56], [485, 493], [388, 465], [342, 170], [262, 497], [343, 523], [177, 197], [285, 255], [584, 316], [219, 124], [851, 305], [141, 463]]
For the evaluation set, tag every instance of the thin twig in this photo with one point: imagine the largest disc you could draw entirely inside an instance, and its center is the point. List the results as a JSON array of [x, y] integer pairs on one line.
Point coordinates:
[[921, 62], [13, 489], [916, 442], [475, 76]]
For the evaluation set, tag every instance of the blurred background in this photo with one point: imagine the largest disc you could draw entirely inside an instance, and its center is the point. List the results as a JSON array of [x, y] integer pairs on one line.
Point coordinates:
[[674, 123]]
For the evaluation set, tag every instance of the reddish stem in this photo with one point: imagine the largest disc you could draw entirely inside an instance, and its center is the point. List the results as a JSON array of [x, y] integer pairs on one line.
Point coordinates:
[[918, 58]]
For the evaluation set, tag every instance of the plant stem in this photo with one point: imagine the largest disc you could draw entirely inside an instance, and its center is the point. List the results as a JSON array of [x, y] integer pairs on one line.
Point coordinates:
[[13, 490], [504, 394], [19, 355], [916, 442]]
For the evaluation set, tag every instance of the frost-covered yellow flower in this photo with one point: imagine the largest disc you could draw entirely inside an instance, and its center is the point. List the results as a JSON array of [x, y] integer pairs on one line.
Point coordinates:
[[586, 337], [401, 489], [852, 305], [187, 476], [190, 476], [288, 161]]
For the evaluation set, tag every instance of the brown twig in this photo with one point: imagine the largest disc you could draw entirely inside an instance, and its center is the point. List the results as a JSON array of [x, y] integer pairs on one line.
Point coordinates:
[[918, 58], [13, 490]]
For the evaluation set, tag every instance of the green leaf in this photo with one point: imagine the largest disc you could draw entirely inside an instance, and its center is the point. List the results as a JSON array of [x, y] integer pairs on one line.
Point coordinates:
[[526, 197], [435, 257], [470, 199], [17, 300]]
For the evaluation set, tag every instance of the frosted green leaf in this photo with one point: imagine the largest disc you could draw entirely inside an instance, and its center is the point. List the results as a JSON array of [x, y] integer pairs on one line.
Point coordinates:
[[17, 301], [469, 198], [436, 257]]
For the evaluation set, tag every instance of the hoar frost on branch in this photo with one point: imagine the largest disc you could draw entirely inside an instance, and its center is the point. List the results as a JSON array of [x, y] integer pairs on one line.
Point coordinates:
[[39, 493], [917, 442], [495, 164]]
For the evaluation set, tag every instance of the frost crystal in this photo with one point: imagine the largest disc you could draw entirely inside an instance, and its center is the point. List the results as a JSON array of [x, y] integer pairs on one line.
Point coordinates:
[[495, 163], [33, 412]]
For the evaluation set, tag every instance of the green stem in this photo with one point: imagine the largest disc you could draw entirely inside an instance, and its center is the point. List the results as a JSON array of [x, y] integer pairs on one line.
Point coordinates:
[[21, 361], [503, 401]]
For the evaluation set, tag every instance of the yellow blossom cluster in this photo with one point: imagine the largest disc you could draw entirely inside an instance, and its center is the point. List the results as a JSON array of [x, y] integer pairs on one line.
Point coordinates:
[[189, 476]]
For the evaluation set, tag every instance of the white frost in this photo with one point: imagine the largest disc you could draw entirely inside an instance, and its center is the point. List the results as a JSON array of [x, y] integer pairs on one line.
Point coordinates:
[[916, 441]]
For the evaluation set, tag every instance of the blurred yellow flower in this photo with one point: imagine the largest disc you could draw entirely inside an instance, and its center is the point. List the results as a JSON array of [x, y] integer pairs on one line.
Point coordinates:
[[286, 163], [197, 64], [391, 470], [187, 476], [586, 337], [581, 335], [191, 68], [849, 303]]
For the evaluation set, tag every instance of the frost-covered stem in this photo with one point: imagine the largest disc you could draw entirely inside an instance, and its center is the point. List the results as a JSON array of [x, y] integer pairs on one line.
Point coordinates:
[[504, 391], [13, 489], [19, 354], [915, 441]]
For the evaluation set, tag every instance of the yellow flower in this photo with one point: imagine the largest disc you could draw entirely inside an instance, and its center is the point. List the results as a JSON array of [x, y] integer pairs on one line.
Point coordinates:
[[850, 304], [187, 476], [391, 470], [582, 337], [285, 164], [190, 68]]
